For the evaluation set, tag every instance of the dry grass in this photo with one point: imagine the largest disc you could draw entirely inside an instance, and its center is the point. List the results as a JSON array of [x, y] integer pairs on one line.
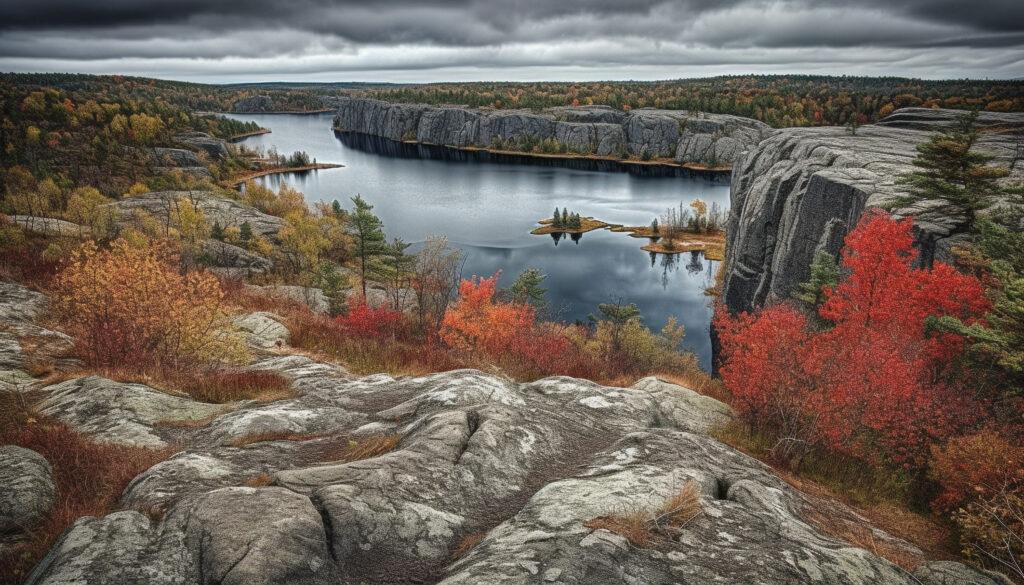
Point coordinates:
[[700, 382], [466, 544], [343, 451], [266, 437], [90, 478], [645, 528], [261, 480], [221, 386]]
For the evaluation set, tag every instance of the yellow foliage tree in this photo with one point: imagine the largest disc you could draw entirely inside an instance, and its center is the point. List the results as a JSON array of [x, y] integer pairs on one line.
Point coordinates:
[[131, 307], [85, 207]]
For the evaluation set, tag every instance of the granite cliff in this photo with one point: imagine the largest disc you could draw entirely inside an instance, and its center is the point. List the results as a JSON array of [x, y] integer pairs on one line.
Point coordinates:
[[802, 189], [697, 138]]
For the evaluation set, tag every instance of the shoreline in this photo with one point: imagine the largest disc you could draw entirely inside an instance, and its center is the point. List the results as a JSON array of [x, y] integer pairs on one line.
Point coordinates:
[[238, 181], [244, 135], [421, 150]]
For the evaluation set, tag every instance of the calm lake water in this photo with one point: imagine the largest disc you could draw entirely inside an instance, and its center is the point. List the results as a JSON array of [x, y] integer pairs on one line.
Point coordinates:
[[488, 210]]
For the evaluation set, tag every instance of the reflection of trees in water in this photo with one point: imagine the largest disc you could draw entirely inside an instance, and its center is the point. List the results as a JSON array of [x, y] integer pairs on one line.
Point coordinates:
[[654, 258], [557, 237], [696, 263], [668, 264]]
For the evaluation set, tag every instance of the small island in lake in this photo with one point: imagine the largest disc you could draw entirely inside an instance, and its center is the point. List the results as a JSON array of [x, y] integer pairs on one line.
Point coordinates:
[[691, 228]]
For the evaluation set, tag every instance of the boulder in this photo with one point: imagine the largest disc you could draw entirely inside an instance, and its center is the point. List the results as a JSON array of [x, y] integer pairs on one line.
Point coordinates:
[[803, 189], [263, 330], [224, 255], [121, 413], [28, 492], [214, 147], [175, 157]]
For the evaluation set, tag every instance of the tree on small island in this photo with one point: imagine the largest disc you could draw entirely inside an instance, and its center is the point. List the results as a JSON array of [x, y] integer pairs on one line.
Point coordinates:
[[556, 220], [654, 226], [565, 217]]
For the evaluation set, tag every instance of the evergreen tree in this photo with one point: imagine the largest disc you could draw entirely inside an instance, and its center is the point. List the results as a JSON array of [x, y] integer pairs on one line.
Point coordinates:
[[335, 286], [949, 171], [367, 232], [527, 289], [565, 216], [824, 273], [654, 226], [617, 315], [217, 231], [556, 221], [245, 231]]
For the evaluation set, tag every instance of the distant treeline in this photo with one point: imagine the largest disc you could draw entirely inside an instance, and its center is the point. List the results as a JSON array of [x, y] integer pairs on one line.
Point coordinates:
[[778, 100]]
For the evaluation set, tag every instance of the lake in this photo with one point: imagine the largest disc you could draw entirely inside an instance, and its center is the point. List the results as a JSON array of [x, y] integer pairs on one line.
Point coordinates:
[[488, 209]]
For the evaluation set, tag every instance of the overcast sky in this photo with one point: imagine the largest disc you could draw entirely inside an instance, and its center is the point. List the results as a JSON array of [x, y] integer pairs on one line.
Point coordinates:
[[456, 40]]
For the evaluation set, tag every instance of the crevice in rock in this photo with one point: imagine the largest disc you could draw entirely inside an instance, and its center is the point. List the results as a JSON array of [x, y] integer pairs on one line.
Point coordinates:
[[722, 488], [325, 519]]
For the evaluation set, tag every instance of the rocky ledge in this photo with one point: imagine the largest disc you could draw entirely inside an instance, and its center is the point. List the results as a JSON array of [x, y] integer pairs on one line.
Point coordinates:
[[694, 138], [802, 189], [457, 478]]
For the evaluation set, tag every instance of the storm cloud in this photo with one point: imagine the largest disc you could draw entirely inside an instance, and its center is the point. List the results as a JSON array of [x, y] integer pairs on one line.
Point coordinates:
[[408, 40]]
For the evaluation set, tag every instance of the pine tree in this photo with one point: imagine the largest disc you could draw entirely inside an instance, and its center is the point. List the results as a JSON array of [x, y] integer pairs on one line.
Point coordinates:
[[654, 226], [217, 231], [371, 245], [565, 216], [556, 221], [824, 273], [949, 171], [527, 289], [245, 232]]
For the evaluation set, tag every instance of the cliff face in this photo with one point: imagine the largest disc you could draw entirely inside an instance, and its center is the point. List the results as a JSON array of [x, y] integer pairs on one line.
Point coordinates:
[[802, 189], [687, 137]]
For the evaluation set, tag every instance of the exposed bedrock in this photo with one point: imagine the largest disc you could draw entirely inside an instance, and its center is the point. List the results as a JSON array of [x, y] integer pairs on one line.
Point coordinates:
[[474, 479], [801, 190], [716, 140]]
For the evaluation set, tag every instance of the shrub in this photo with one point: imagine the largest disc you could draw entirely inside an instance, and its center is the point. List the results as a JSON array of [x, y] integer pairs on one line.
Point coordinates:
[[992, 531], [220, 386], [363, 320], [976, 466], [838, 387], [132, 306], [477, 321]]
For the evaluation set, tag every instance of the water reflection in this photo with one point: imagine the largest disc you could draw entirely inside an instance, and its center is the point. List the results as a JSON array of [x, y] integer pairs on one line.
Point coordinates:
[[488, 210]]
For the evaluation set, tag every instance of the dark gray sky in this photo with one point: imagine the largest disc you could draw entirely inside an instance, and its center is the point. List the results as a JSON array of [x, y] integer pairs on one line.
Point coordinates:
[[438, 40]]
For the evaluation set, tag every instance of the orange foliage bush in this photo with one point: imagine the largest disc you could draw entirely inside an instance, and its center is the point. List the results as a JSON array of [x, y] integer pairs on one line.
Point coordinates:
[[477, 321], [975, 466], [132, 306]]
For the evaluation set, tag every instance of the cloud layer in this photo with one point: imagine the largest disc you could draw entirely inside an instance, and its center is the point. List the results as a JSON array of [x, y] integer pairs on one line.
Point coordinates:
[[421, 40]]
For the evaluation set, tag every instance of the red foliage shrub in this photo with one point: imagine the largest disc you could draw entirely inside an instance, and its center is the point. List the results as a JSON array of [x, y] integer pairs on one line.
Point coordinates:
[[975, 466], [878, 385], [363, 320]]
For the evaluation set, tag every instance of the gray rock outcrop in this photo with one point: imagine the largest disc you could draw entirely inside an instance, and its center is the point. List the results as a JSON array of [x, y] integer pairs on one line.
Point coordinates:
[[28, 490], [713, 140], [227, 212], [802, 190], [216, 148], [460, 477]]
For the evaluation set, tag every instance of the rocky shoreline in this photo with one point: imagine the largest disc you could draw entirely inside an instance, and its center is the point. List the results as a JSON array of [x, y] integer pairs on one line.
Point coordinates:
[[702, 140]]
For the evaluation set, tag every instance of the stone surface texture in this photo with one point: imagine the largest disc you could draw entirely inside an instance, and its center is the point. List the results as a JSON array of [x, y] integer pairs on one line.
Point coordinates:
[[801, 190], [714, 140]]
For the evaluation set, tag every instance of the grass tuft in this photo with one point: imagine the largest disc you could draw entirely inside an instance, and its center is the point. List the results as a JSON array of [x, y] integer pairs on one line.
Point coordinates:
[[646, 528]]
